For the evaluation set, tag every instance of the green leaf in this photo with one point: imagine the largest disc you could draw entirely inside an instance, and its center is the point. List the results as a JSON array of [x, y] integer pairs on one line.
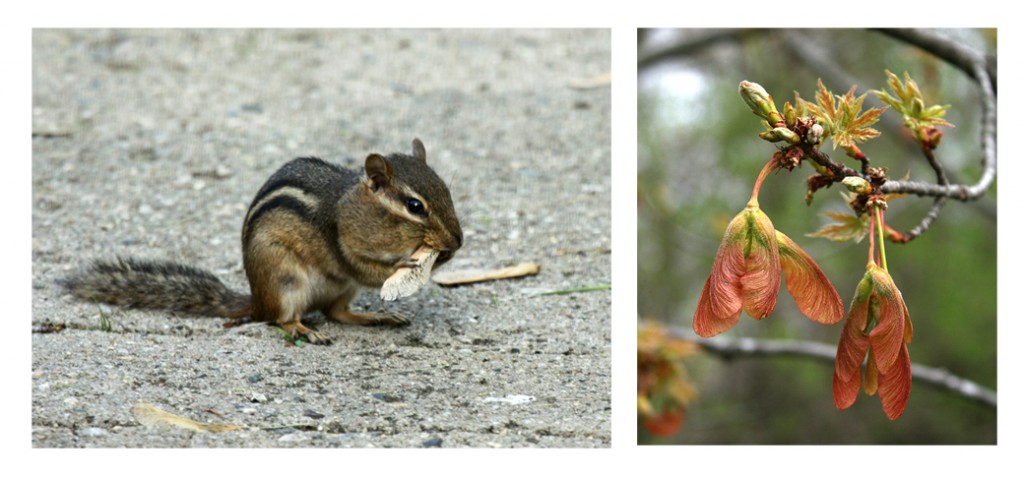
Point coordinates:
[[907, 100], [841, 116], [845, 227]]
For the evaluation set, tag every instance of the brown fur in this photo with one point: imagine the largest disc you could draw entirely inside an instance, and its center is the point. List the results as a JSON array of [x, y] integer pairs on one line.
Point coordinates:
[[314, 235], [158, 285]]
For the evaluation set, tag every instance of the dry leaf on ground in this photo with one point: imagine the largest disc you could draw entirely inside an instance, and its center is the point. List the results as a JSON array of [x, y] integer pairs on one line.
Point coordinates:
[[150, 416]]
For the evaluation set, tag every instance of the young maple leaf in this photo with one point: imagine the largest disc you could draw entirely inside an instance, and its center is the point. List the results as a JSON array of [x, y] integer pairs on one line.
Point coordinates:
[[825, 111], [907, 100], [845, 227], [841, 116], [854, 124]]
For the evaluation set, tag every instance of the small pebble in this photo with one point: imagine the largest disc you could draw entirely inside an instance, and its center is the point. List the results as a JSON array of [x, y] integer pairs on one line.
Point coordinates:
[[92, 432], [293, 437], [221, 172], [386, 397], [313, 414]]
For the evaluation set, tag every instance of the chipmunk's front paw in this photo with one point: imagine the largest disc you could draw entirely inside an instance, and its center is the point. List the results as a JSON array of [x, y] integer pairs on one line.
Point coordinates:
[[297, 330], [317, 338]]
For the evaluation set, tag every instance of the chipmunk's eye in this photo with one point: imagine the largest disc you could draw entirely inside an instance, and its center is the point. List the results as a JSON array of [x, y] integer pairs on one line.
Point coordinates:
[[414, 206]]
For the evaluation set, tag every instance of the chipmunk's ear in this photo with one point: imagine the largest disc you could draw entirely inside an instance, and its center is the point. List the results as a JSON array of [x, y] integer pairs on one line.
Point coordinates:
[[378, 171], [418, 151]]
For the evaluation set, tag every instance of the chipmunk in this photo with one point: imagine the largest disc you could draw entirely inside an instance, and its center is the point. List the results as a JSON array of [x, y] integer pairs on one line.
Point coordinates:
[[313, 236]]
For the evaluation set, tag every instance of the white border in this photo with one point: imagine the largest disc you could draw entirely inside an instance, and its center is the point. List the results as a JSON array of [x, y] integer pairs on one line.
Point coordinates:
[[624, 457]]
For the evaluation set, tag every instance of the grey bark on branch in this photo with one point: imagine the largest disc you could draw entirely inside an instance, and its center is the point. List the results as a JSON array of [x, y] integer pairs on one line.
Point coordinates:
[[730, 348]]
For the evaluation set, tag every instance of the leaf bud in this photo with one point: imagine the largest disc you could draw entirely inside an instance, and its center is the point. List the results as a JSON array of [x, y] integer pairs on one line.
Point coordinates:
[[780, 134], [857, 185], [814, 134], [790, 114], [760, 102]]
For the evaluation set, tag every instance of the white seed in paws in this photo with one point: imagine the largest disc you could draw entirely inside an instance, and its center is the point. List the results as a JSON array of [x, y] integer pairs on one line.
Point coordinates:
[[407, 280]]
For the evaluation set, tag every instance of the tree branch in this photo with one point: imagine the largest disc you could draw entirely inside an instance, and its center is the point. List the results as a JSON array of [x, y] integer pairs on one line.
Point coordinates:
[[950, 51], [975, 65], [729, 348], [838, 169], [690, 46], [933, 213]]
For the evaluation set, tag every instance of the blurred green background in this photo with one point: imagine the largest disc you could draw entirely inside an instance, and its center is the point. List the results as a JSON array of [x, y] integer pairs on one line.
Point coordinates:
[[698, 156]]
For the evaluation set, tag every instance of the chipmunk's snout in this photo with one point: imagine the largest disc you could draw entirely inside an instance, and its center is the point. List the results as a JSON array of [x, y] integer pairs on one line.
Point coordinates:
[[450, 245]]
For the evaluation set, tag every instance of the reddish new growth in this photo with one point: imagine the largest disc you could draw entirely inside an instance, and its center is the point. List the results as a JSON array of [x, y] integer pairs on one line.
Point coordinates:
[[754, 256], [748, 270], [878, 326]]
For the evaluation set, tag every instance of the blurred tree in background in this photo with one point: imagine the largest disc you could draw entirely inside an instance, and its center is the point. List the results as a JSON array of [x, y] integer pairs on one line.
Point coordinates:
[[699, 155]]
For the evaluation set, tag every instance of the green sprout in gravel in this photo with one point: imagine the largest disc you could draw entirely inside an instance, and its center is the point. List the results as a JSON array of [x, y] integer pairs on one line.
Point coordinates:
[[575, 290], [105, 325]]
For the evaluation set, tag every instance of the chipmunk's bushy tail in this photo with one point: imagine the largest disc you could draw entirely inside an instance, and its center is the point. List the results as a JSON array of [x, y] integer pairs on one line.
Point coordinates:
[[158, 285]]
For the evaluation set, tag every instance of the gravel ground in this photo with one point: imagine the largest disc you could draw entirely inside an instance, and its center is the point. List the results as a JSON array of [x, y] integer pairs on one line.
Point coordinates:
[[152, 143]]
